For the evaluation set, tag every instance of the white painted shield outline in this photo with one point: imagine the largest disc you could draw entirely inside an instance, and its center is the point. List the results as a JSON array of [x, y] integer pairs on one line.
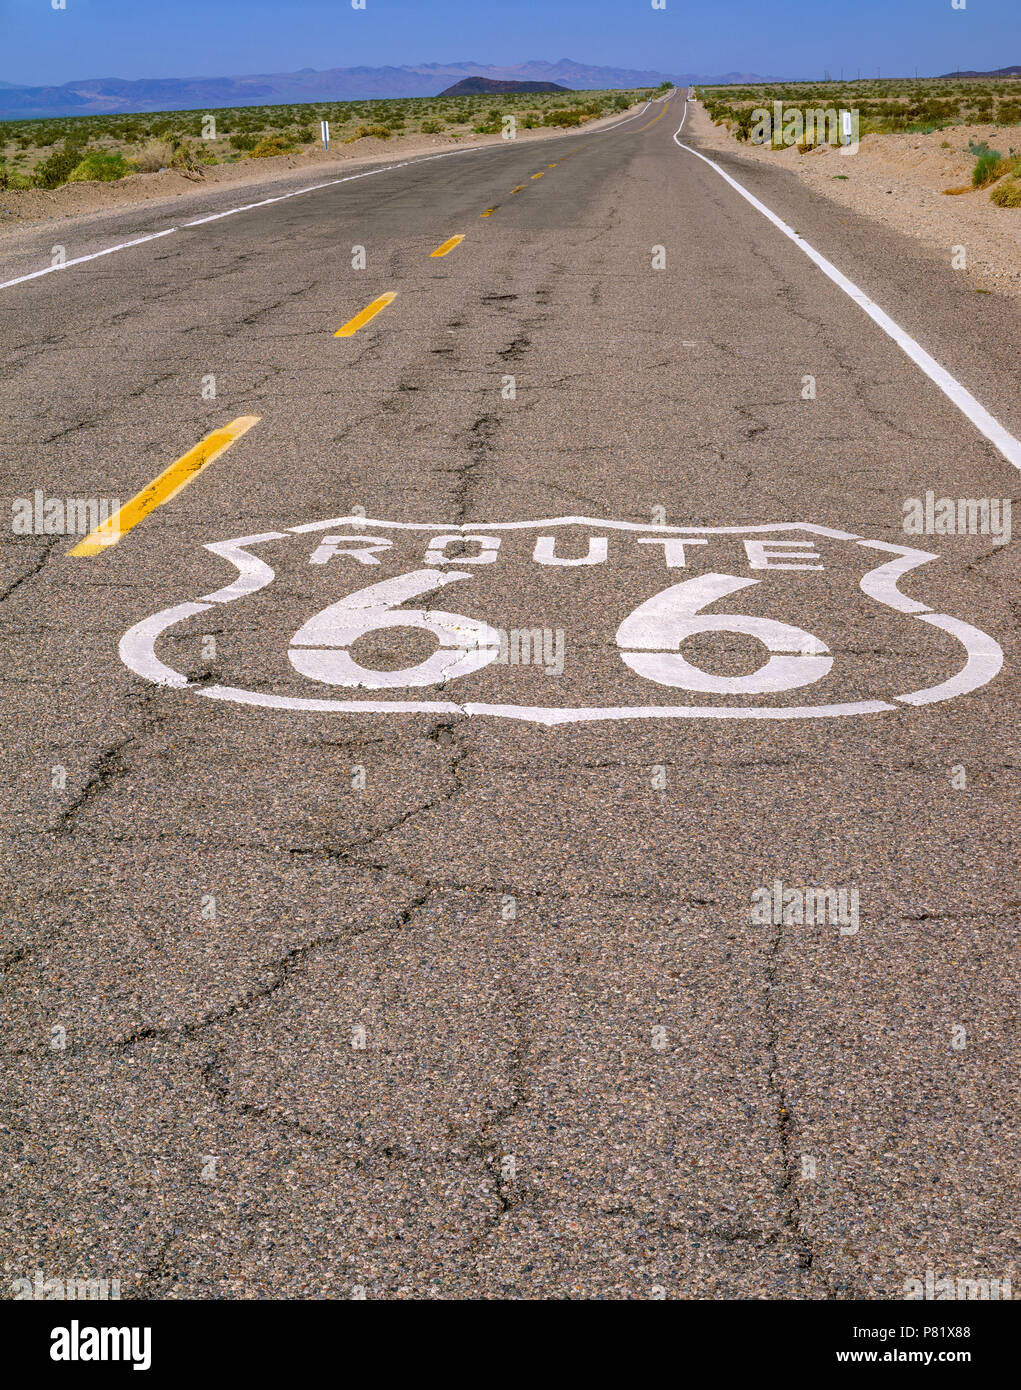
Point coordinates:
[[984, 656]]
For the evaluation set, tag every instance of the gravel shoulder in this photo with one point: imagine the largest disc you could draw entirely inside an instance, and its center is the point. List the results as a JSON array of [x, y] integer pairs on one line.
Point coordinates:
[[900, 180]]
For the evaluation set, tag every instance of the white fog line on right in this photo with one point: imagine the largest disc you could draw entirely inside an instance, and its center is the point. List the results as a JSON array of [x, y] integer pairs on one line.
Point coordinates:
[[966, 403]]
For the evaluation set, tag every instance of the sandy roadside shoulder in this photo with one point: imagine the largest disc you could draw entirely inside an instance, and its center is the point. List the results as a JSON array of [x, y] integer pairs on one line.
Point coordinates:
[[899, 180], [26, 209]]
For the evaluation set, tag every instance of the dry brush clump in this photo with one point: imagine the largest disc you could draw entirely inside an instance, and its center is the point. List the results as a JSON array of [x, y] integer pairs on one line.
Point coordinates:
[[998, 172], [153, 156], [1008, 193]]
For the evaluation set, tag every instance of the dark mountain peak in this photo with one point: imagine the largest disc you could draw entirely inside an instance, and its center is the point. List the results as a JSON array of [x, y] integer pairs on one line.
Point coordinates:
[[474, 86], [996, 72]]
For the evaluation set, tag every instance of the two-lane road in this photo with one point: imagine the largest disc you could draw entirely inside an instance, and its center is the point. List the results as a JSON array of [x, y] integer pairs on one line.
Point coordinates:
[[354, 940]]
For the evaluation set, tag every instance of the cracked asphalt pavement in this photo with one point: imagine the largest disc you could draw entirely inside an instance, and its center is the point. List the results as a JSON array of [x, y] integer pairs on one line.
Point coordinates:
[[303, 1000]]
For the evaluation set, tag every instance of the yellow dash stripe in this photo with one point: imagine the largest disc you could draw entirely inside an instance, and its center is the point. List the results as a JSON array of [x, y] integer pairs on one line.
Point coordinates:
[[369, 312], [518, 189], [654, 120], [489, 212], [551, 166], [539, 174], [167, 485], [447, 246]]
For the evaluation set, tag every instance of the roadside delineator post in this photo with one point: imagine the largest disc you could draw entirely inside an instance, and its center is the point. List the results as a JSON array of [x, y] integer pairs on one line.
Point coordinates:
[[326, 134]]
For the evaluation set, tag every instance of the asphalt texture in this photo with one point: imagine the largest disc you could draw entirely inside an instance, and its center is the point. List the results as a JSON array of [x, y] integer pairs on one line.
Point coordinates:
[[304, 1002]]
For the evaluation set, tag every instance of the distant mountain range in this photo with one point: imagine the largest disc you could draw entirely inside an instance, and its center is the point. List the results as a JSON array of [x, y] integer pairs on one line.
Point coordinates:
[[996, 72], [107, 95]]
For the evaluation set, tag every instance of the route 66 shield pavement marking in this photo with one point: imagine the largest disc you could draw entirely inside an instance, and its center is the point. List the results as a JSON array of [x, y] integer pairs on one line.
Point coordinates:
[[648, 640]]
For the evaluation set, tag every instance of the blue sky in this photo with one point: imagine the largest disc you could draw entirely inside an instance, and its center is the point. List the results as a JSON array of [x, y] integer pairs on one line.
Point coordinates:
[[206, 38]]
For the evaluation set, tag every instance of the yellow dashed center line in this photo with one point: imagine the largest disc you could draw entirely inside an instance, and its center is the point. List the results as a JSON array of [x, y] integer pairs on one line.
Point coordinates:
[[447, 247], [488, 212], [539, 174], [161, 489], [368, 313], [653, 121], [518, 189]]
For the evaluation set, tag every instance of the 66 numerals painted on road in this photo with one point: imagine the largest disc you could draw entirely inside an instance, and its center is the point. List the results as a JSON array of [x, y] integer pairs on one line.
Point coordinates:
[[649, 638]]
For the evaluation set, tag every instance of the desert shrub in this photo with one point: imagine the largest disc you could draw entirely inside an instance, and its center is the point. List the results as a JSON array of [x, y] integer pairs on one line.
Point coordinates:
[[56, 168], [186, 156], [102, 166], [241, 140], [562, 118], [304, 134], [270, 145], [987, 165], [154, 155], [744, 124], [1007, 194], [379, 132], [432, 127], [13, 178]]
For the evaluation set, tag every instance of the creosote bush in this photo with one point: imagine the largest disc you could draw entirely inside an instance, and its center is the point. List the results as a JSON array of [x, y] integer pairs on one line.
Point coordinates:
[[101, 166], [270, 145]]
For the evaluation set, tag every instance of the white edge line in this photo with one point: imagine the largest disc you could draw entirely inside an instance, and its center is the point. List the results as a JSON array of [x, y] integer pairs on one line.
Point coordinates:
[[295, 193], [984, 422], [617, 124], [92, 256]]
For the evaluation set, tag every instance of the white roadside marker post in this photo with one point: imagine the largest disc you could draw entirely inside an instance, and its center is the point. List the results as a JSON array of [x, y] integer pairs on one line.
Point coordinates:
[[326, 134], [845, 127]]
